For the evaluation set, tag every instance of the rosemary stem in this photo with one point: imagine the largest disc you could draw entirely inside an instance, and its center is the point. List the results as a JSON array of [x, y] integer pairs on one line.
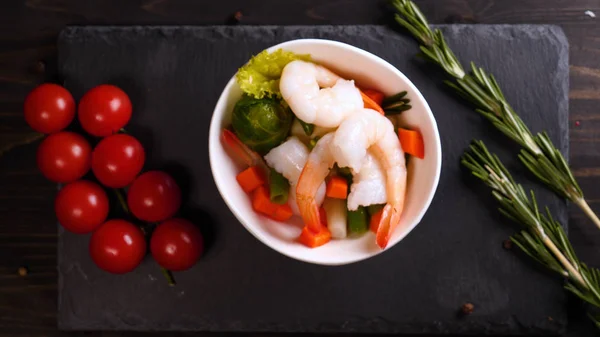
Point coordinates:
[[563, 260], [588, 211]]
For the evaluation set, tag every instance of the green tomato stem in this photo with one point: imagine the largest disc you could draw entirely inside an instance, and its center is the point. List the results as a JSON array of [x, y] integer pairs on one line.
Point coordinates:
[[169, 276], [121, 200], [167, 273]]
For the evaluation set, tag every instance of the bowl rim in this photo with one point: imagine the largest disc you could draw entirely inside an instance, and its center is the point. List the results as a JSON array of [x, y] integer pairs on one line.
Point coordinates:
[[214, 136]]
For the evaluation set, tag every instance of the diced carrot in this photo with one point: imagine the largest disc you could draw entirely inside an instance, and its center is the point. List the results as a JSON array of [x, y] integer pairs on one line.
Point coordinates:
[[251, 178], [375, 95], [282, 213], [412, 142], [337, 187], [261, 201], [312, 240], [375, 219], [370, 103]]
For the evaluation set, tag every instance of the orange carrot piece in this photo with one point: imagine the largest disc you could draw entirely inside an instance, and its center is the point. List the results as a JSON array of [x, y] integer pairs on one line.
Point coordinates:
[[374, 95], [337, 187], [412, 142], [371, 104], [261, 201], [375, 219], [282, 213], [251, 178], [313, 240]]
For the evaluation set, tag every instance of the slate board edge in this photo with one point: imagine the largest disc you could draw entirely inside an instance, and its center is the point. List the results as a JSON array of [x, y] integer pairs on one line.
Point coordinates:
[[559, 34], [556, 30]]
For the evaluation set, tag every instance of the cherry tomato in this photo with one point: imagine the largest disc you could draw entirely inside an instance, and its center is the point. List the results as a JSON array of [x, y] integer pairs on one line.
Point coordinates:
[[154, 196], [117, 160], [81, 206], [49, 108], [176, 244], [117, 246], [104, 110], [64, 157]]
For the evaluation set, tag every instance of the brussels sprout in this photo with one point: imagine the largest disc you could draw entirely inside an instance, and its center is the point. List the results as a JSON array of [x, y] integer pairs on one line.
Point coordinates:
[[260, 76], [261, 124]]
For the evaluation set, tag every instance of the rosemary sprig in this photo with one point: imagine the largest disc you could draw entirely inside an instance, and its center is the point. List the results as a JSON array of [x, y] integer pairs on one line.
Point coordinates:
[[542, 238], [481, 89], [396, 104]]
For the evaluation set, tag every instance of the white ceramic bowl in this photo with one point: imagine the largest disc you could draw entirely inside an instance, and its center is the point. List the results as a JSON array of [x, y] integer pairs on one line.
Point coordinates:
[[369, 71]]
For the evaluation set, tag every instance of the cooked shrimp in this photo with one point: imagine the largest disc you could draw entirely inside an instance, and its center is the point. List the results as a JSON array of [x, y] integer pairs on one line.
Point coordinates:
[[368, 185], [368, 130], [289, 159], [320, 161], [301, 84]]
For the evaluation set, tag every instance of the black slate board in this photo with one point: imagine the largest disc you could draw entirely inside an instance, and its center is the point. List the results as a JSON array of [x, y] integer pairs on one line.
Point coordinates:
[[175, 75]]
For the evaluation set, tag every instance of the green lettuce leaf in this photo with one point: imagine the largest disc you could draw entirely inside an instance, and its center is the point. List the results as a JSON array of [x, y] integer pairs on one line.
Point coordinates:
[[259, 78]]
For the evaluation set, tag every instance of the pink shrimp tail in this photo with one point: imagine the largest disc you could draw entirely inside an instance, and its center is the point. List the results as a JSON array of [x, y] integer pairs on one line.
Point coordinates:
[[307, 205], [383, 230], [241, 151], [236, 146], [311, 217], [390, 219]]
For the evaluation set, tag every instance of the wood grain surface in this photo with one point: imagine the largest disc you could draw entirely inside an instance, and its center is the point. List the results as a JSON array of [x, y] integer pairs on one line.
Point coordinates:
[[28, 31]]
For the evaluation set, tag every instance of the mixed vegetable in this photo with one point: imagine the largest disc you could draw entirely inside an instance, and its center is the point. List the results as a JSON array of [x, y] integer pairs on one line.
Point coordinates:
[[316, 145]]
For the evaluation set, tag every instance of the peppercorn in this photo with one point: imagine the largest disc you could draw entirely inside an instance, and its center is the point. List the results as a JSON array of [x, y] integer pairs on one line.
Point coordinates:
[[467, 308], [22, 271]]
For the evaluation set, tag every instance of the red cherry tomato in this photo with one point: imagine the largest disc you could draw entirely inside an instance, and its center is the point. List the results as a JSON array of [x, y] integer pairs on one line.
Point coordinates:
[[117, 246], [176, 244], [117, 160], [49, 108], [154, 196], [104, 110], [81, 206], [64, 157]]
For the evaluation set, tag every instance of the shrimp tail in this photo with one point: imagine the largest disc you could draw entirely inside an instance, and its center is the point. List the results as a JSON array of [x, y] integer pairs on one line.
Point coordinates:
[[241, 151], [312, 218], [383, 229], [312, 177], [305, 198], [390, 219]]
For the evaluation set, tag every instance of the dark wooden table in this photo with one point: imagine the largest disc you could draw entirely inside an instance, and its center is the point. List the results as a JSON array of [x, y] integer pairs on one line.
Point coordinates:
[[28, 30]]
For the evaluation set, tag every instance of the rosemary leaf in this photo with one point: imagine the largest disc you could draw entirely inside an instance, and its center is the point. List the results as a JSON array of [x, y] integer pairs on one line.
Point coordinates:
[[481, 89], [398, 110], [543, 238], [391, 99]]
